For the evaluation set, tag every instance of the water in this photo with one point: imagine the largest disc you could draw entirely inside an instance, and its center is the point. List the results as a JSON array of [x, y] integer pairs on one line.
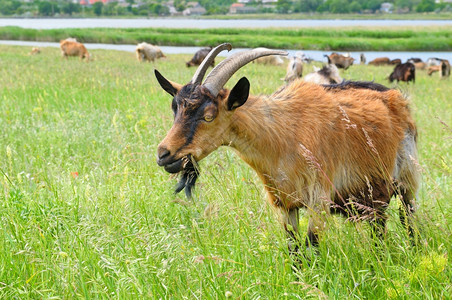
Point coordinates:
[[316, 55], [52, 23]]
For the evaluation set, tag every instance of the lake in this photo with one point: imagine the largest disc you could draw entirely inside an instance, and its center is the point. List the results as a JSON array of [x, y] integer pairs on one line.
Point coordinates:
[[316, 55], [52, 23]]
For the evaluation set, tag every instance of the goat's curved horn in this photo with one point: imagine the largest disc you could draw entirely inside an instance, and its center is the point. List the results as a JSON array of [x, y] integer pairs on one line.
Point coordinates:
[[201, 71], [218, 77]]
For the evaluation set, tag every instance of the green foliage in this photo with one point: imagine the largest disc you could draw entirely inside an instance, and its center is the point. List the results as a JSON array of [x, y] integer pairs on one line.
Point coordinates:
[[409, 4], [426, 6], [355, 7], [220, 7], [85, 212], [159, 9], [347, 6], [98, 8], [209, 4], [283, 6], [70, 8], [338, 6], [307, 5], [48, 8], [9, 7]]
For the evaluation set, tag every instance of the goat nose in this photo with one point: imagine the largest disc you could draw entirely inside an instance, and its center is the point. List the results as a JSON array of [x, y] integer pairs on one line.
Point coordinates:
[[162, 153]]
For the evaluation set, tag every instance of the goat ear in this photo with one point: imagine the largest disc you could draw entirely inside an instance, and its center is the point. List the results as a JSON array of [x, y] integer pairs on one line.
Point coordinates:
[[239, 94], [170, 87]]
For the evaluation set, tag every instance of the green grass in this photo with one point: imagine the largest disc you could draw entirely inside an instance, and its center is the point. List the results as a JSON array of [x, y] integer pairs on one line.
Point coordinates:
[[85, 212], [339, 39]]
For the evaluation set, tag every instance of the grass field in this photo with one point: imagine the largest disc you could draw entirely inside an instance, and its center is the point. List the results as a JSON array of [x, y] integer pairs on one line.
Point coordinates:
[[340, 39], [85, 212]]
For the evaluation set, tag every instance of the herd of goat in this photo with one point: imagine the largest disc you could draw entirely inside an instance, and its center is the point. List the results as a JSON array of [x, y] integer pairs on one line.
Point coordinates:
[[328, 74], [321, 143]]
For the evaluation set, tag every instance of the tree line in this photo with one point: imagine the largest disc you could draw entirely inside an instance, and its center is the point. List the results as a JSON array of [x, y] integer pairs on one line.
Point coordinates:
[[158, 8], [359, 6]]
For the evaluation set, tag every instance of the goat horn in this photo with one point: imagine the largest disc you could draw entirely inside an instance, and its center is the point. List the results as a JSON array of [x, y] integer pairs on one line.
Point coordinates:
[[201, 71], [218, 77]]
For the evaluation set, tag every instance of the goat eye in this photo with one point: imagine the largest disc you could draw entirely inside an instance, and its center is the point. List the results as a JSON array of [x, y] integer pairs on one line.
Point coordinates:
[[208, 118]]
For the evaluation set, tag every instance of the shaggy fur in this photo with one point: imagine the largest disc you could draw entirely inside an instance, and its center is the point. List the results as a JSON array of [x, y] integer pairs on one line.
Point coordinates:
[[344, 148], [341, 61], [443, 68], [380, 61], [72, 48], [199, 56], [275, 60], [403, 72], [328, 74], [294, 69], [147, 52]]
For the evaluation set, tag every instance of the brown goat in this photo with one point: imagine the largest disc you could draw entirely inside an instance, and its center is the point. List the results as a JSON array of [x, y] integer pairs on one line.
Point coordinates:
[[35, 50], [199, 56], [433, 69], [345, 148], [443, 68], [403, 72], [71, 48], [380, 61], [341, 61]]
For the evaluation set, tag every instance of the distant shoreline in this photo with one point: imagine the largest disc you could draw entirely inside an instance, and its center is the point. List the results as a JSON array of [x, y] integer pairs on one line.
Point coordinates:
[[269, 16], [326, 39], [209, 23]]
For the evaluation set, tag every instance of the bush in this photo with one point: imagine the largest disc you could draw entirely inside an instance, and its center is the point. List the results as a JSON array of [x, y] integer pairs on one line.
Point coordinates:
[[426, 6]]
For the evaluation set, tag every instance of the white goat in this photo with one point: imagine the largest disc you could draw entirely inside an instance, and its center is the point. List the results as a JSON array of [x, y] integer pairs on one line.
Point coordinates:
[[326, 75], [148, 52]]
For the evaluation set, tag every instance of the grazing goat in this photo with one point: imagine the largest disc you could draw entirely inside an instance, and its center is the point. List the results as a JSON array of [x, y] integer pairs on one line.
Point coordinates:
[[396, 61], [345, 148], [303, 57], [35, 50], [341, 61], [148, 52], [199, 57], [294, 69], [71, 39], [443, 68], [403, 72], [275, 60], [328, 74], [414, 60], [420, 65], [380, 61], [71, 48], [434, 61], [362, 59]]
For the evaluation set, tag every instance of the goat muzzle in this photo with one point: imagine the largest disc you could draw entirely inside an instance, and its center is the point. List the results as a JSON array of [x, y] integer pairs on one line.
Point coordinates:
[[175, 166], [166, 160]]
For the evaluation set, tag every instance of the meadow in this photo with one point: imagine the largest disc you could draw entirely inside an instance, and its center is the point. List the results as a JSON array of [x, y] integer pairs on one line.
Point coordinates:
[[340, 39], [85, 212]]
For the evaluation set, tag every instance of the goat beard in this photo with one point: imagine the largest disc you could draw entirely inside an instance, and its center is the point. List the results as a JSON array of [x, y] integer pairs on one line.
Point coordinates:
[[189, 174]]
